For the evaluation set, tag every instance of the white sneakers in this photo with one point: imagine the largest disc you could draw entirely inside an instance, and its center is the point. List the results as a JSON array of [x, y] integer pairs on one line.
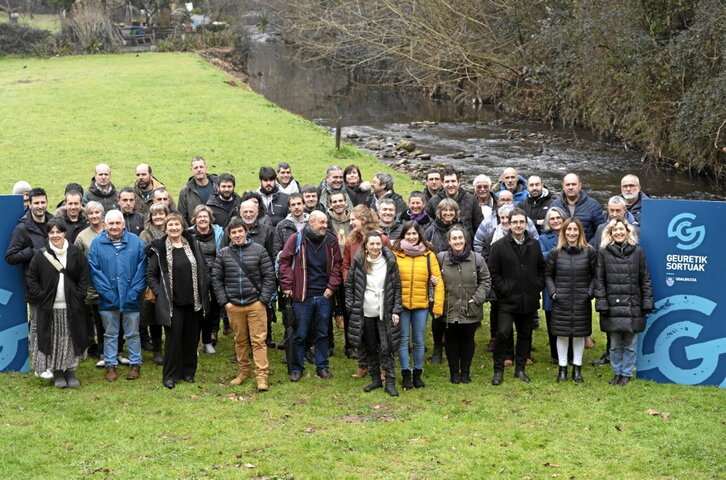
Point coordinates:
[[47, 375], [121, 361], [208, 348]]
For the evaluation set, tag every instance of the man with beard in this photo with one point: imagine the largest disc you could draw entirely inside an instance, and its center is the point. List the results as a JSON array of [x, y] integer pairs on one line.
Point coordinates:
[[101, 189], [199, 188], [293, 223], [469, 212], [225, 202], [333, 182], [72, 213], [339, 218], [630, 191], [537, 203], [28, 237], [127, 203], [144, 186], [415, 211], [274, 201], [578, 204]]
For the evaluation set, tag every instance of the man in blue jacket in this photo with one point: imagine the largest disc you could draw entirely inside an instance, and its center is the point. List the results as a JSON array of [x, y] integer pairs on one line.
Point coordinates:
[[576, 203], [117, 266]]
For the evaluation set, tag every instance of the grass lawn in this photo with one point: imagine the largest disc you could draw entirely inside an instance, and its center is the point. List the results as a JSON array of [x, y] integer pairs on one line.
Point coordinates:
[[45, 21], [59, 117]]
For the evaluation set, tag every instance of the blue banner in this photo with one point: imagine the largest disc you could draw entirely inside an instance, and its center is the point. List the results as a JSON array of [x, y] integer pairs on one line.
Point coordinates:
[[13, 309], [684, 340]]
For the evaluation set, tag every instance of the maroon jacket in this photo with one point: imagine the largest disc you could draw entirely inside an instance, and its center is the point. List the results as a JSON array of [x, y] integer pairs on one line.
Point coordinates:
[[293, 270]]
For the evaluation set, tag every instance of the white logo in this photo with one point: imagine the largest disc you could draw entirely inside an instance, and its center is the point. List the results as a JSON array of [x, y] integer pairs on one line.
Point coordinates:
[[689, 236]]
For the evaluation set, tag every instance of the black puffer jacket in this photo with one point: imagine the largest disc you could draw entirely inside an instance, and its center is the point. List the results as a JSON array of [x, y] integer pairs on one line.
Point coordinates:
[[437, 235], [517, 273], [623, 289], [570, 279], [255, 281], [470, 214], [355, 288], [157, 277]]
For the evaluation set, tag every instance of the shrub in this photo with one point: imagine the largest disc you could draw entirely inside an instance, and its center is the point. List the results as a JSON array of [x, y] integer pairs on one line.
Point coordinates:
[[19, 39]]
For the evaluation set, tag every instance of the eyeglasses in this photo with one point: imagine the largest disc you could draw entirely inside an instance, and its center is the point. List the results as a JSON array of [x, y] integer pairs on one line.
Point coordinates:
[[629, 186]]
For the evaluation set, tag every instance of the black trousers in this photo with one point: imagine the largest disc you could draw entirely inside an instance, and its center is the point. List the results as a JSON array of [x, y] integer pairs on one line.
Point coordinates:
[[460, 346], [182, 338], [505, 334], [373, 331], [210, 322], [438, 330]]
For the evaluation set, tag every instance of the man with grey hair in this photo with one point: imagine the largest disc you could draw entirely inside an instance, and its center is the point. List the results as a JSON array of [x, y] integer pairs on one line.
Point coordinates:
[[333, 182], [117, 267], [482, 189], [630, 191], [23, 188], [388, 219], [382, 187], [310, 273], [101, 189]]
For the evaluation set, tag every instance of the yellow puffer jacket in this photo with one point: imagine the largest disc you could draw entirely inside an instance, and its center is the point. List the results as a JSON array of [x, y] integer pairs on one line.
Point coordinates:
[[414, 281]]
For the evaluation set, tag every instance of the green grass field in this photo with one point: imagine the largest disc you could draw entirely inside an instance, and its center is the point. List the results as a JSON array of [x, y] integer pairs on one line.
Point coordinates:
[[59, 117]]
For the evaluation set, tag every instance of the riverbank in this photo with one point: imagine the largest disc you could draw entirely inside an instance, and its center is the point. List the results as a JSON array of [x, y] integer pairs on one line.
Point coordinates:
[[62, 116]]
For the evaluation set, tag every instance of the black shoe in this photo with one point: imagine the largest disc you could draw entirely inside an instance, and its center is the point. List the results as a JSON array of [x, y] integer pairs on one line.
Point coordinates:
[[324, 374], [233, 358], [71, 379], [604, 360], [169, 383], [189, 379], [498, 378], [521, 375], [437, 357], [465, 377], [375, 383], [576, 375], [417, 382], [270, 344], [295, 376], [615, 380], [158, 358], [455, 378], [623, 381], [147, 345], [562, 376], [391, 386], [406, 380]]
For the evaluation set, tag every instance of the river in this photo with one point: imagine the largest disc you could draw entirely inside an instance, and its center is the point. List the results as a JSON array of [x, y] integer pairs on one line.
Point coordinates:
[[490, 140]]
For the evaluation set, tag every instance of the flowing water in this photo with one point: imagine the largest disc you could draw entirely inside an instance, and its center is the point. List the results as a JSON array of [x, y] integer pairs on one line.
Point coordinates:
[[488, 140]]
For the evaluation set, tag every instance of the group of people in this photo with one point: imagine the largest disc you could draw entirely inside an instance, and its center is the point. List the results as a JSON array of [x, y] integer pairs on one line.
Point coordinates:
[[134, 266]]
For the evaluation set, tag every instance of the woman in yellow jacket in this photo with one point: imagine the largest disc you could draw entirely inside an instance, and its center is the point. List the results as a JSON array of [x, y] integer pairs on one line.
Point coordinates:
[[420, 273]]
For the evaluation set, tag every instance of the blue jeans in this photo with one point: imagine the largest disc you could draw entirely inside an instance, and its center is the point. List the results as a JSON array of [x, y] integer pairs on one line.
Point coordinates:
[[622, 352], [313, 312], [112, 321], [413, 325]]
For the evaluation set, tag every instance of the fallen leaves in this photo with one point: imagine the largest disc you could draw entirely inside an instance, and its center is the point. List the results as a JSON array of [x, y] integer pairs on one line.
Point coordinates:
[[655, 413]]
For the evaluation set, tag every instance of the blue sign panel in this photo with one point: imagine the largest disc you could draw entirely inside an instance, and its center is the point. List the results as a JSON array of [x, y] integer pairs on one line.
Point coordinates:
[[684, 340], [13, 309]]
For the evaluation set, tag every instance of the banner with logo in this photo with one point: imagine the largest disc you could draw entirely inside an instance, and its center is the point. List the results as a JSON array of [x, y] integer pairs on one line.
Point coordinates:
[[13, 309], [684, 340]]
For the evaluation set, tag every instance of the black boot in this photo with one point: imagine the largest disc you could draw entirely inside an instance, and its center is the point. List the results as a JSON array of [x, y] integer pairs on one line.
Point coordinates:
[[71, 379], [437, 357], [417, 382], [391, 386], [562, 376], [375, 383], [406, 381], [498, 377], [576, 374], [158, 358], [604, 360], [59, 379]]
